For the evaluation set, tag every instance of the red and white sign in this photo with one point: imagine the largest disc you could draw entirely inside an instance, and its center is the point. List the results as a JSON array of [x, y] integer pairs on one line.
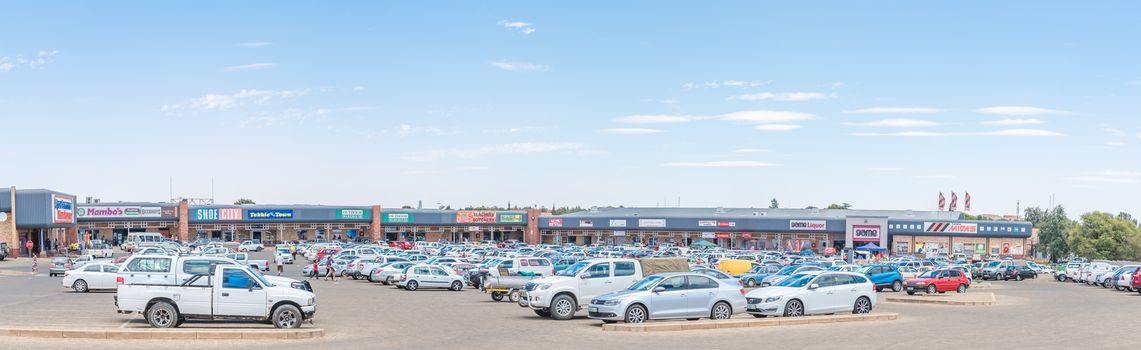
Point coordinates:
[[950, 227], [714, 223], [866, 233], [230, 214], [63, 209], [746, 235], [555, 222], [807, 225], [722, 235], [585, 223]]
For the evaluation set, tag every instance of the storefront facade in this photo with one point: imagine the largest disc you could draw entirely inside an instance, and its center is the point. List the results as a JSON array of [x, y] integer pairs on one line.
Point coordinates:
[[453, 225], [43, 217]]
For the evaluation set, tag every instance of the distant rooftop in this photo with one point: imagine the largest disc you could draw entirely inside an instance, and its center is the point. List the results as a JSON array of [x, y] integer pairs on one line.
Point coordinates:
[[657, 212]]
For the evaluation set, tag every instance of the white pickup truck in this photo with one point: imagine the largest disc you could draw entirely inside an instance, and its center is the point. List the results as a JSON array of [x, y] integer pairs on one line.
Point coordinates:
[[230, 293], [562, 295], [244, 259]]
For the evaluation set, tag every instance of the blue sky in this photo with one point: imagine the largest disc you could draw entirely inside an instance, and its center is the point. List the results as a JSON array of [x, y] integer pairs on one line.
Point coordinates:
[[882, 105]]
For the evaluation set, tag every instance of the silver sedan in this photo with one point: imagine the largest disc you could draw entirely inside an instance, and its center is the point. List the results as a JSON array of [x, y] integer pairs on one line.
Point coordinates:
[[670, 296]]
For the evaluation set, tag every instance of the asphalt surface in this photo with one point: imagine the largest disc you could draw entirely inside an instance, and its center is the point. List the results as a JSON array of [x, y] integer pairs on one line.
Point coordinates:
[[1038, 313]]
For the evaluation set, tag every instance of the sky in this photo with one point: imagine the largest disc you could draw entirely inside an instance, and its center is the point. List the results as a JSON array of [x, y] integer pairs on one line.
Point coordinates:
[[882, 105]]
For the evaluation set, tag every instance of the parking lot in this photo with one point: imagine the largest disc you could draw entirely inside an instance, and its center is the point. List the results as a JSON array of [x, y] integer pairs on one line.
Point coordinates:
[[357, 314]]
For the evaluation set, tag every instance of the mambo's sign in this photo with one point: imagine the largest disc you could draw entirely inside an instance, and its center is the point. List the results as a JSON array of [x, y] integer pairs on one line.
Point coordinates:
[[950, 227], [808, 225], [866, 233], [123, 212], [256, 214]]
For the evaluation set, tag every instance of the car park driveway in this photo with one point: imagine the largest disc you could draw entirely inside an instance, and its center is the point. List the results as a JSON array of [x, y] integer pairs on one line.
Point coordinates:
[[1038, 313]]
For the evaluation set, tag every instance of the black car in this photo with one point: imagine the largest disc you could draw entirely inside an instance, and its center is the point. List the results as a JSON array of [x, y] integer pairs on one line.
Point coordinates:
[[1018, 273]]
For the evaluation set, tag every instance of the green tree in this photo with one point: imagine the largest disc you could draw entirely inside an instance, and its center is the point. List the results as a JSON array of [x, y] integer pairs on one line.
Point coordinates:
[[840, 206], [243, 201], [1053, 226], [1104, 236], [774, 204]]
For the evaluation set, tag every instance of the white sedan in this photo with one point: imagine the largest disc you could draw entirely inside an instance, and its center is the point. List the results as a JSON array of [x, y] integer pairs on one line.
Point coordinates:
[[814, 292], [91, 276], [430, 276]]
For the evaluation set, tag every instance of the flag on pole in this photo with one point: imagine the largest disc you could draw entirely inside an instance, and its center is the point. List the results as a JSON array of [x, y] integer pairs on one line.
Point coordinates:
[[954, 202], [967, 201], [942, 201]]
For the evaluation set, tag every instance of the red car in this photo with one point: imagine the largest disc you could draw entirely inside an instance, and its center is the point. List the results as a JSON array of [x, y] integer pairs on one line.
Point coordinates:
[[400, 244], [1137, 281], [942, 281], [326, 252]]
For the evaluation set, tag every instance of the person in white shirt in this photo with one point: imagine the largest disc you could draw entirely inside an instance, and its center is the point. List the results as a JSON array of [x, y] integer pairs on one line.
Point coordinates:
[[280, 262]]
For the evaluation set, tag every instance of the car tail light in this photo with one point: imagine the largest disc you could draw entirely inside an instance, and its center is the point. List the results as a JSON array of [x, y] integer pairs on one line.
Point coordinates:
[[66, 273], [742, 291], [119, 280]]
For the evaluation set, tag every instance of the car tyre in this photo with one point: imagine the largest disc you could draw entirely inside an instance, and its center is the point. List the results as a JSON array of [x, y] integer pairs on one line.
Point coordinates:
[[562, 308], [457, 286], [896, 286], [910, 293], [759, 315], [721, 311], [513, 296], [80, 286], [162, 315], [497, 296], [609, 321], [751, 283], [543, 313], [635, 314], [287, 316], [794, 308], [411, 285], [387, 281], [863, 306], [962, 288], [1018, 278], [931, 289]]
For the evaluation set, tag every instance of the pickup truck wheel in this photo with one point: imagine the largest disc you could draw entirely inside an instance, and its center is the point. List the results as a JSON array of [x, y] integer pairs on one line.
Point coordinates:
[[79, 286], [162, 315], [896, 286], [287, 316], [562, 308]]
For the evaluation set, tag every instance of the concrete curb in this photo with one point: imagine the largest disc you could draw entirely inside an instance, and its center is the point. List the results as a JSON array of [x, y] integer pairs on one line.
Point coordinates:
[[746, 323], [986, 299], [162, 334]]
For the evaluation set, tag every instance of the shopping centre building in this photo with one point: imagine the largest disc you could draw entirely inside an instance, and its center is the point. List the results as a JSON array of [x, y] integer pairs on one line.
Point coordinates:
[[43, 216]]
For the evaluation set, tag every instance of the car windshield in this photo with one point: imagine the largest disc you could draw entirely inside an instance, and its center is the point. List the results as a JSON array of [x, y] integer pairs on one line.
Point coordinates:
[[929, 274], [787, 270], [993, 264], [646, 283], [573, 270], [259, 276], [796, 281]]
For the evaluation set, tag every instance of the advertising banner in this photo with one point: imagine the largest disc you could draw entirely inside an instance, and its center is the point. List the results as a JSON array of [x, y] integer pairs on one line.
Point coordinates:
[[269, 214], [475, 217], [63, 209], [950, 227], [807, 225], [722, 235], [353, 214], [714, 223], [617, 223], [619, 233], [866, 233], [555, 222], [651, 222], [230, 214], [746, 235], [397, 218], [585, 223], [708, 235], [114, 212], [206, 214], [511, 218]]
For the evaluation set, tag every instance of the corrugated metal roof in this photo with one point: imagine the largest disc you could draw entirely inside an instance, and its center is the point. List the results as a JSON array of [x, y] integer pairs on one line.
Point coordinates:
[[657, 212]]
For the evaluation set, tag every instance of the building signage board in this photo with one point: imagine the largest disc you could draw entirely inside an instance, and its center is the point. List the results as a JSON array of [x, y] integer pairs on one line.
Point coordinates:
[[585, 223], [950, 227], [807, 225], [63, 209], [398, 218], [866, 233], [746, 235], [206, 214], [111, 212], [269, 214], [475, 217], [555, 222], [708, 235], [715, 223], [651, 222], [619, 233], [353, 214], [473, 228], [617, 223], [511, 218], [230, 214]]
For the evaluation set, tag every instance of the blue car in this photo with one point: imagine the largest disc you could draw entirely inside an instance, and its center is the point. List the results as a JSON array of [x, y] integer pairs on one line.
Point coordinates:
[[758, 273], [788, 271], [884, 276]]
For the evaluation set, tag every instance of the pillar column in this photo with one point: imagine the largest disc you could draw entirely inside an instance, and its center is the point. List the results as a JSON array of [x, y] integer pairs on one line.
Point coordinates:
[[9, 232], [183, 221], [531, 233], [374, 228]]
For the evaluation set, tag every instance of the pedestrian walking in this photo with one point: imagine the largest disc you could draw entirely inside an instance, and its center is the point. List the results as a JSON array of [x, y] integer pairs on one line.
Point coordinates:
[[35, 264], [330, 272], [280, 262], [313, 271]]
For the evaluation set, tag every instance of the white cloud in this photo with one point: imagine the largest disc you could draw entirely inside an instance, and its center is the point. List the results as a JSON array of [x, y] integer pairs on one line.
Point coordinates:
[[935, 177], [408, 129], [1019, 110], [1118, 173], [752, 150], [894, 110], [1118, 180], [249, 67], [897, 123], [358, 88], [780, 96], [741, 84], [255, 44], [227, 101], [655, 119], [631, 131], [1007, 132], [522, 27], [884, 169], [520, 66], [764, 117], [1028, 121], [777, 127], [836, 84], [452, 170], [508, 148], [720, 164], [1115, 144], [42, 57], [291, 115]]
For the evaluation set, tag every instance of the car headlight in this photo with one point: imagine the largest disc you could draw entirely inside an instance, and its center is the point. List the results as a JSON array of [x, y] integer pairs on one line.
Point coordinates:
[[612, 302], [772, 299], [311, 301], [543, 286]]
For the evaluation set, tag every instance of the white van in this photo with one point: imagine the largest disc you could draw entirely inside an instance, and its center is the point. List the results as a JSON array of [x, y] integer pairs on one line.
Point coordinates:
[[145, 239], [514, 265]]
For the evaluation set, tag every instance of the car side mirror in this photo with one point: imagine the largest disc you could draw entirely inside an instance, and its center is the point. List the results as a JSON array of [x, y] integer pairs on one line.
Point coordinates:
[[250, 285], [659, 289], [584, 275], [813, 286]]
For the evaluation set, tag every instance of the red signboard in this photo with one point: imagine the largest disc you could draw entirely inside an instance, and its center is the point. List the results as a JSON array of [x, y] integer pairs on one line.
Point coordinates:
[[722, 235], [746, 235], [475, 217], [555, 222]]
